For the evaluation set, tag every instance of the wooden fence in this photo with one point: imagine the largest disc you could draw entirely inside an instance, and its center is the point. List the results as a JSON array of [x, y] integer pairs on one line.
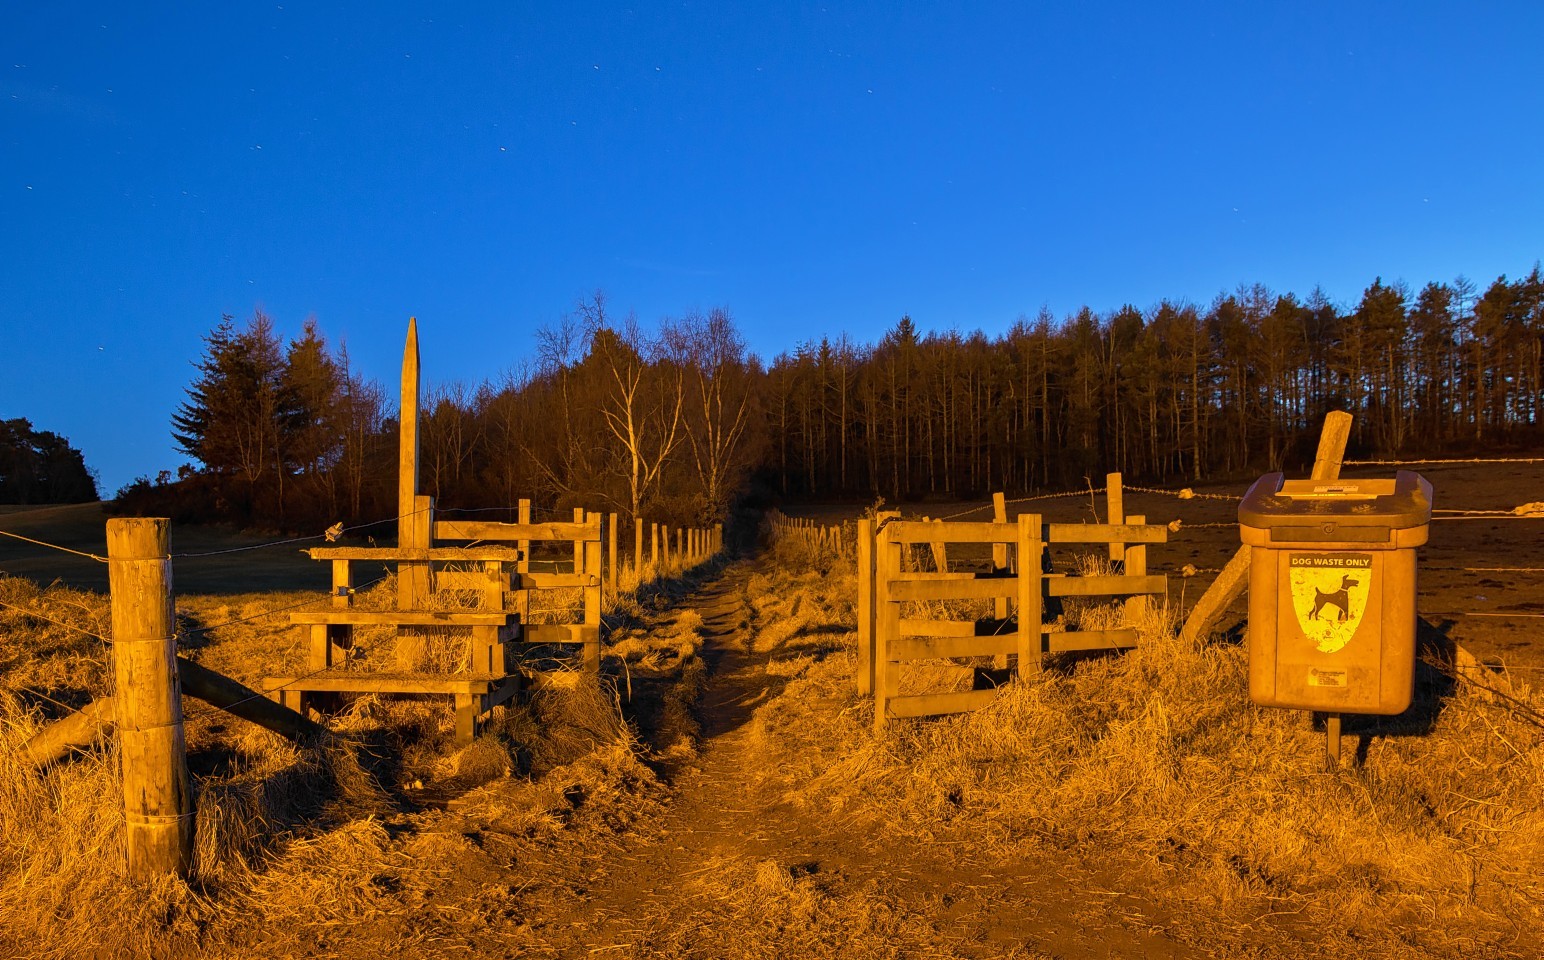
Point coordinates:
[[838, 539], [1019, 581]]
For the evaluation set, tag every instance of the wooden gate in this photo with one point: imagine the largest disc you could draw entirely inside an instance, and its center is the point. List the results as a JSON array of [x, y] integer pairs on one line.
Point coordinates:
[[1021, 583]]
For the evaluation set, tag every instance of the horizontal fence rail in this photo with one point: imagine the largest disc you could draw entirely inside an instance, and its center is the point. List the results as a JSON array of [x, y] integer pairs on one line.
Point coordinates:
[[1019, 584]]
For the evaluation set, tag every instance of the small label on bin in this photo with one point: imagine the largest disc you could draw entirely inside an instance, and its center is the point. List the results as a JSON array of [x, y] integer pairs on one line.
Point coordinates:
[[1329, 596], [1326, 678]]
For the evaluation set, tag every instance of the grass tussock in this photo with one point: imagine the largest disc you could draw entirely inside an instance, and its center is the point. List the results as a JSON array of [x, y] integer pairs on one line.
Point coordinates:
[[1157, 759]]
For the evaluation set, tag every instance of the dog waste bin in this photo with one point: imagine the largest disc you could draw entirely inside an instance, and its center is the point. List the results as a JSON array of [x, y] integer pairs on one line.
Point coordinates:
[[1332, 591]]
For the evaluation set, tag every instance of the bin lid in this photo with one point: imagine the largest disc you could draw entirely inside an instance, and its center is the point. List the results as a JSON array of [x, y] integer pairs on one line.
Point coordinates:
[[1397, 504]]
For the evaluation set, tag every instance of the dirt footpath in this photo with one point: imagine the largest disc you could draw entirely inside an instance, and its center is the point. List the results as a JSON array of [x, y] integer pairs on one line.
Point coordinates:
[[729, 871]]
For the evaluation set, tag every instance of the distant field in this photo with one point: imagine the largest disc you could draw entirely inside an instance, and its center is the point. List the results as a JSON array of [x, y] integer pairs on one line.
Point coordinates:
[[1481, 578], [83, 527]]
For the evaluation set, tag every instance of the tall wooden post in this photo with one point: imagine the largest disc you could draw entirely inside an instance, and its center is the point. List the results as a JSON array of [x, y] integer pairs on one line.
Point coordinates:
[[157, 794], [1115, 506], [654, 547], [412, 577], [578, 545]]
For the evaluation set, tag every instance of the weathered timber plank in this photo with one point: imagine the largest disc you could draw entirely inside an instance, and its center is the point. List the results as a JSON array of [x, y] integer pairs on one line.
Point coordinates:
[[389, 554], [380, 683], [555, 581], [492, 530], [917, 576], [950, 531], [933, 704], [973, 589], [1057, 585], [1071, 640], [1111, 533], [560, 633], [237, 699], [954, 628], [79, 730], [932, 647], [416, 618]]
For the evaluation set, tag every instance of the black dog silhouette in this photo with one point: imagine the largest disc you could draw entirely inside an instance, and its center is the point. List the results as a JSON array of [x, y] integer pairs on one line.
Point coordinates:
[[1340, 598]]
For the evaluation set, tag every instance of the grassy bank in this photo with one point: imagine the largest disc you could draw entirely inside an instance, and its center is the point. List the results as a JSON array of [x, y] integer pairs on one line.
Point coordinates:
[[1153, 770]]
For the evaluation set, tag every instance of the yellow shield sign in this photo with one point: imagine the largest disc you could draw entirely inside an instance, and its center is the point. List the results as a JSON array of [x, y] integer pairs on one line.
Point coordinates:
[[1329, 595]]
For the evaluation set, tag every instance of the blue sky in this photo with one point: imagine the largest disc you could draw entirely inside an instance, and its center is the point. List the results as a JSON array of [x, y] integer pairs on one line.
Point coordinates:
[[813, 168]]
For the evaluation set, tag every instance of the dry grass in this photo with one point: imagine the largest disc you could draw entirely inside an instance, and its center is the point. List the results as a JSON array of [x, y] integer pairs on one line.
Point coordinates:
[[293, 843], [752, 908], [1155, 759]]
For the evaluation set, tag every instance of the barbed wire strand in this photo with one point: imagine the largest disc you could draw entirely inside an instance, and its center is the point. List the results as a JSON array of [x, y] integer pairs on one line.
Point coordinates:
[[1396, 463]]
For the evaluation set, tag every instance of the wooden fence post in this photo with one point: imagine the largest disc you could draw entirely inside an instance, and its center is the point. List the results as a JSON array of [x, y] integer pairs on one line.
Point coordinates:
[[523, 596], [865, 607], [654, 547], [887, 625], [1031, 545], [579, 545], [1001, 606], [999, 555], [638, 551], [1115, 506], [157, 793], [1136, 566], [611, 554], [589, 564]]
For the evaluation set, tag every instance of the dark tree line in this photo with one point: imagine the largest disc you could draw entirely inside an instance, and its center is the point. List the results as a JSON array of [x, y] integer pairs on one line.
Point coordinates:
[[611, 416], [1176, 393], [675, 422], [38, 466]]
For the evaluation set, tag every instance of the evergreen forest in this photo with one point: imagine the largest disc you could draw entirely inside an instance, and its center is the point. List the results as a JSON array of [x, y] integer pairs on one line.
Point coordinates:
[[677, 421]]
